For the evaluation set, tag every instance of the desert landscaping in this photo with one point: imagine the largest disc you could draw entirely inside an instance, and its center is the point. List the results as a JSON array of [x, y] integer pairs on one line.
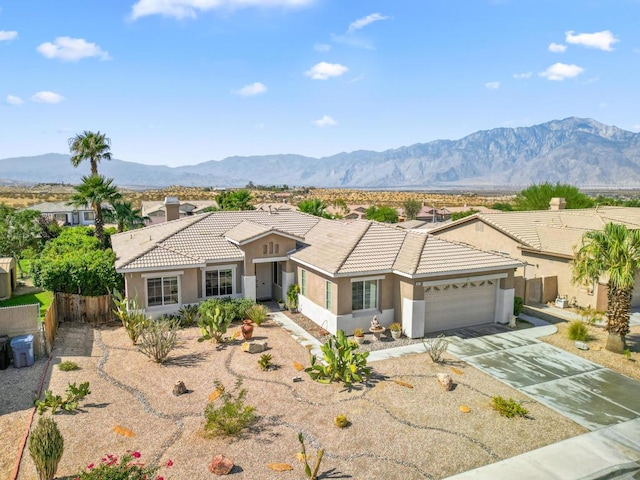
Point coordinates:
[[406, 425]]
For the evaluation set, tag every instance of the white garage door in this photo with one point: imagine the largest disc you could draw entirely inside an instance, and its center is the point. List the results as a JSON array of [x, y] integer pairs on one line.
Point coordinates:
[[459, 305]]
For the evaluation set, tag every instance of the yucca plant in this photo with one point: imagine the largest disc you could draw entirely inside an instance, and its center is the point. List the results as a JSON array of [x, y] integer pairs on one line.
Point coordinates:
[[46, 446], [257, 314]]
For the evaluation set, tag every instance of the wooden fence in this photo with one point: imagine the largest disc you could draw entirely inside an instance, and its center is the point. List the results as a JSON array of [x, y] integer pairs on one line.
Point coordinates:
[[50, 326], [77, 308]]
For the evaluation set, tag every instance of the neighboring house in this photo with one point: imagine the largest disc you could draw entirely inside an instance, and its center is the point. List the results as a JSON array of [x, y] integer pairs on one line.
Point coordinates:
[[544, 242], [347, 271], [355, 212], [66, 214], [157, 211], [8, 277]]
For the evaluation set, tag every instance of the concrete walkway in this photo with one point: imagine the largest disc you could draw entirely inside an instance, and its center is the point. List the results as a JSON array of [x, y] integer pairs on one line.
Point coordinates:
[[587, 393], [594, 455]]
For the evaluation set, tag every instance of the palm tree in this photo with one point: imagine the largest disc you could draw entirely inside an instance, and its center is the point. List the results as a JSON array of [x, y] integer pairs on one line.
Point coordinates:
[[314, 206], [612, 253], [90, 146], [96, 190], [124, 216]]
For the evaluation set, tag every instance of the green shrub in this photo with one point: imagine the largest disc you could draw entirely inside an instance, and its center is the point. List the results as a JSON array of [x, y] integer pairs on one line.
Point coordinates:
[[257, 314], [68, 366], [518, 304], [133, 318], [188, 314], [578, 331], [158, 339], [74, 395], [344, 362], [436, 346], [46, 446], [128, 467], [232, 415], [508, 408], [213, 321], [591, 315], [292, 296]]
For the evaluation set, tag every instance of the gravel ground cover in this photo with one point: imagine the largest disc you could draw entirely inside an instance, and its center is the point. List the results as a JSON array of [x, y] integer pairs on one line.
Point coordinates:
[[395, 431]]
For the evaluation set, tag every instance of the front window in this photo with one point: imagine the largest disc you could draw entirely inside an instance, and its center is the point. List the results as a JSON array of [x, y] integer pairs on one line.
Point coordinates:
[[364, 295], [303, 282], [162, 291], [89, 216], [219, 282], [327, 297], [60, 217]]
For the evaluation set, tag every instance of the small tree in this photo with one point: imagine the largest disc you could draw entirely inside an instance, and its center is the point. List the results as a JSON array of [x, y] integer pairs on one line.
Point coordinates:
[[537, 197], [314, 206], [382, 214], [458, 215], [411, 208]]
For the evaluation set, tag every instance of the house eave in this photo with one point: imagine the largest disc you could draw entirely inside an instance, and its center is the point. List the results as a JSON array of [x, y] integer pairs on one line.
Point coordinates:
[[124, 270]]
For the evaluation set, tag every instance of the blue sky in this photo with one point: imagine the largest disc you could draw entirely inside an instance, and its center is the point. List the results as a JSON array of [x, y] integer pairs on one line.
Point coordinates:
[[177, 82]]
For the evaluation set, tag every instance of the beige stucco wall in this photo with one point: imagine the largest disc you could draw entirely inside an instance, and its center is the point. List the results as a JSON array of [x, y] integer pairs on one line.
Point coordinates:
[[341, 290], [255, 250]]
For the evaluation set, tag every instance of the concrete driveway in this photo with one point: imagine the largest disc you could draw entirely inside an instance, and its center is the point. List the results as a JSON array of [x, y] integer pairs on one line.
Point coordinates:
[[589, 394]]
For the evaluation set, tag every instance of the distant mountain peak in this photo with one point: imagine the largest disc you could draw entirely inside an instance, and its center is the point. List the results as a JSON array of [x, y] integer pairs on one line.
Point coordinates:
[[580, 151]]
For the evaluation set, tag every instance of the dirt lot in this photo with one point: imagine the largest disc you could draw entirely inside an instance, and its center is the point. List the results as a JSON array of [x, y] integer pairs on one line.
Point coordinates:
[[396, 431]]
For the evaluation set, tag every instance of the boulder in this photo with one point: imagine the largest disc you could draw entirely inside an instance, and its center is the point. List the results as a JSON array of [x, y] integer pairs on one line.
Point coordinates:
[[254, 347], [446, 381], [221, 465], [179, 388], [582, 345]]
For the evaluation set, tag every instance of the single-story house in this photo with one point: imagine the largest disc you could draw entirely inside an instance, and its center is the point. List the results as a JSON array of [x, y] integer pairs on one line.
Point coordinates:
[[8, 277], [66, 214], [544, 242], [157, 211], [347, 271]]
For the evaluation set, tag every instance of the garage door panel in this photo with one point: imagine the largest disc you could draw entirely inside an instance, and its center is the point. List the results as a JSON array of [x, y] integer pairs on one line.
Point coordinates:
[[459, 305]]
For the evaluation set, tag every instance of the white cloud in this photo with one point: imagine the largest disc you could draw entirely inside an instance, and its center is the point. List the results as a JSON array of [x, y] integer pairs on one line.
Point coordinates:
[[252, 89], [13, 100], [364, 21], [6, 35], [324, 70], [492, 85], [72, 49], [325, 121], [560, 71], [522, 76], [47, 97], [600, 40], [190, 8], [322, 47], [557, 47]]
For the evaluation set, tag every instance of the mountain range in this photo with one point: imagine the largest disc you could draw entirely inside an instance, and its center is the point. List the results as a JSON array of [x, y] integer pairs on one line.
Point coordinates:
[[579, 151]]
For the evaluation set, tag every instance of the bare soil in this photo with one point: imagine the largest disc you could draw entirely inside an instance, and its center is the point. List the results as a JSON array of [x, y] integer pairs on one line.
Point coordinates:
[[395, 431]]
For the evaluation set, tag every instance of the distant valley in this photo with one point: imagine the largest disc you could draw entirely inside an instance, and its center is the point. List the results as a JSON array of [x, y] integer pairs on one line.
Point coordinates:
[[579, 151]]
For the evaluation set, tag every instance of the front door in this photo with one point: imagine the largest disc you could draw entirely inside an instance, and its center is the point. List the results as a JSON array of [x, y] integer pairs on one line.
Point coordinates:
[[263, 281]]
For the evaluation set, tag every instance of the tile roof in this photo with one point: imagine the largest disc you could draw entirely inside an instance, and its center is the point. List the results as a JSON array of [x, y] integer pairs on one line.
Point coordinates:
[[53, 207], [555, 231], [335, 247]]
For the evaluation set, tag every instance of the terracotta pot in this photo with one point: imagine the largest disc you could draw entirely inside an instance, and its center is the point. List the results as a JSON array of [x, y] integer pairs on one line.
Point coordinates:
[[396, 334], [359, 340], [247, 329]]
